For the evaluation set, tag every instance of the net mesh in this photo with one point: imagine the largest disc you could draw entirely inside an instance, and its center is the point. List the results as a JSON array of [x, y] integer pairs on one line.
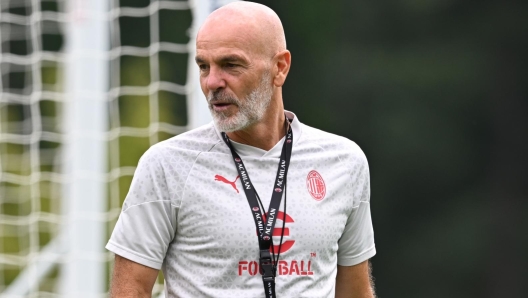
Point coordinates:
[[148, 63], [30, 134]]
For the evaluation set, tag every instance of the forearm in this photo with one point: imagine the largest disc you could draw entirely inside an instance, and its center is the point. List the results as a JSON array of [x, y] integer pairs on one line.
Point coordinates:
[[132, 280], [354, 281], [128, 292]]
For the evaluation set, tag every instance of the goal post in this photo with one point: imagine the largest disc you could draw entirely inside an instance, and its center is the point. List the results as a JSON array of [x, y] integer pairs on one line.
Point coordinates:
[[85, 145]]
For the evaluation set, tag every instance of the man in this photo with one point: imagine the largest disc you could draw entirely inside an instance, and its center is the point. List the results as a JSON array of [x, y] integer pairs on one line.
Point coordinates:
[[194, 206]]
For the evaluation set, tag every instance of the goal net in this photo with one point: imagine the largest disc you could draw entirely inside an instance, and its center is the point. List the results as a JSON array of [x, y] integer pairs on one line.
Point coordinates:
[[86, 87]]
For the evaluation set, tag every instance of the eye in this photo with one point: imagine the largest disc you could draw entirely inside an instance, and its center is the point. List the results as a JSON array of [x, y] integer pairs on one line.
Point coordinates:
[[203, 67], [230, 65]]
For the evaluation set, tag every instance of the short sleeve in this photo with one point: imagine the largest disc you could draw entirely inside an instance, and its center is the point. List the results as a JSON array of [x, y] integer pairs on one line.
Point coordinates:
[[147, 223], [357, 241]]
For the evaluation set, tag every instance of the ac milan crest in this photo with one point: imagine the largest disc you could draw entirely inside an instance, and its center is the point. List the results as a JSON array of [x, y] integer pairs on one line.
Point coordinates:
[[255, 209], [278, 189], [237, 159], [266, 237], [316, 185]]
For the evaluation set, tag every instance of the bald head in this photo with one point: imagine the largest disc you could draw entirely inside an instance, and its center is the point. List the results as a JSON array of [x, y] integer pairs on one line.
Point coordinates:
[[243, 61], [256, 24]]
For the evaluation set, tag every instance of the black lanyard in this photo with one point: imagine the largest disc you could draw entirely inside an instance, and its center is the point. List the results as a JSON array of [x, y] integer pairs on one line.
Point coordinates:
[[265, 229]]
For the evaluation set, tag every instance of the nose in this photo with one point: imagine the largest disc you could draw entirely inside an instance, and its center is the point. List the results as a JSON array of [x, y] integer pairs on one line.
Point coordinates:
[[215, 80]]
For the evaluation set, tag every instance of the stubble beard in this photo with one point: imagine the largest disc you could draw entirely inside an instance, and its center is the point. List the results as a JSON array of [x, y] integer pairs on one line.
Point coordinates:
[[250, 110]]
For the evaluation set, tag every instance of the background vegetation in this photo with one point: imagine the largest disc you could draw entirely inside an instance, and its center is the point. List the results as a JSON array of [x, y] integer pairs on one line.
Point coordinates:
[[435, 92]]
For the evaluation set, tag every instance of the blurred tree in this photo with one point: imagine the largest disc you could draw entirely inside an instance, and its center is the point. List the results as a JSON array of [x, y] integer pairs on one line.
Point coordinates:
[[435, 93]]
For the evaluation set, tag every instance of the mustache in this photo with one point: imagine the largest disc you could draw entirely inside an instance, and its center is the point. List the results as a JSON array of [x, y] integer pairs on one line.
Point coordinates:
[[223, 97]]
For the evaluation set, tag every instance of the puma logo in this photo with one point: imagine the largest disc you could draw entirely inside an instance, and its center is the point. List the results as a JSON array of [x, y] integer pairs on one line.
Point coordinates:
[[223, 179]]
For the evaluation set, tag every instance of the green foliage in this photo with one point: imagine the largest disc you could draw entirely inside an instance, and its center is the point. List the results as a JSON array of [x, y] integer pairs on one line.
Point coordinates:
[[435, 94]]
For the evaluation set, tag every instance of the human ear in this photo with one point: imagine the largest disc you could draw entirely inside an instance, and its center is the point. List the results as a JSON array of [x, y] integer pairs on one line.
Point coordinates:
[[281, 68]]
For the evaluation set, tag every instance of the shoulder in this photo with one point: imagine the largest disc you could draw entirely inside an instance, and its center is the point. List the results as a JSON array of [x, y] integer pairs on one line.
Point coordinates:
[[343, 158], [164, 167], [331, 143], [179, 153], [199, 139], [190, 143]]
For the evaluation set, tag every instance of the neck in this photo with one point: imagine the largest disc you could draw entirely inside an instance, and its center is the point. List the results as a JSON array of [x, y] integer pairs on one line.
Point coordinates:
[[264, 134]]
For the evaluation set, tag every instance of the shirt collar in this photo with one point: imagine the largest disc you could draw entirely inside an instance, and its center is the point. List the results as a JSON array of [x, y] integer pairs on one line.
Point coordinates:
[[275, 152]]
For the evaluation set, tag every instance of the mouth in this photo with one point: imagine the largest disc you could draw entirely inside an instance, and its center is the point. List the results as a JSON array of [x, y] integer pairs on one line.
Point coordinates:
[[221, 106]]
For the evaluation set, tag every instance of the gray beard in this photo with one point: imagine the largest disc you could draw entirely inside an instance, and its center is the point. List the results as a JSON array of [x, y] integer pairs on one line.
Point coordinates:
[[250, 110]]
